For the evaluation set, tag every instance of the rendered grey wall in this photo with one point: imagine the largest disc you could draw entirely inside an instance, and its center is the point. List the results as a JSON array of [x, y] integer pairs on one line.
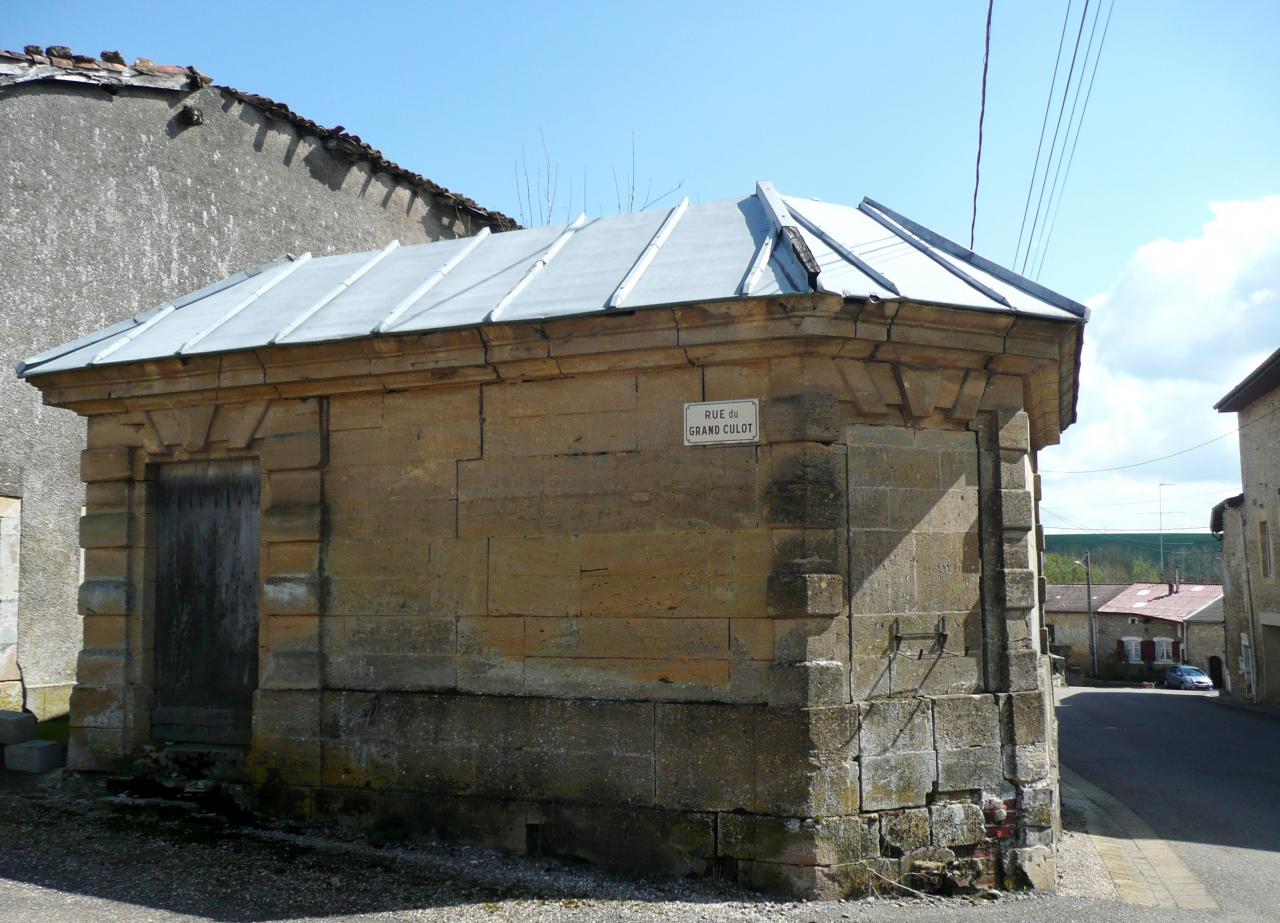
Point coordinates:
[[110, 204]]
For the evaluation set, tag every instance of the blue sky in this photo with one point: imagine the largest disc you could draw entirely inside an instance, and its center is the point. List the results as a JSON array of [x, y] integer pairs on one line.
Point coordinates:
[[834, 100]]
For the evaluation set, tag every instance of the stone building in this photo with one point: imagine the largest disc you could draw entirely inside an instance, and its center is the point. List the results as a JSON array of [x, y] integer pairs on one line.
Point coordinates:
[[1066, 617], [699, 540], [1148, 627], [1247, 525], [121, 186]]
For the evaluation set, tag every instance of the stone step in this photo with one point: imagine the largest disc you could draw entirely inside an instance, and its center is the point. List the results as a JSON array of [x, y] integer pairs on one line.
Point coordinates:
[[16, 727], [34, 756]]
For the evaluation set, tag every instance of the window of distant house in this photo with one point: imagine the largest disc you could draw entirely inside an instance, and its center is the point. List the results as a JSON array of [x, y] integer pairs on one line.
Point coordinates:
[[1133, 621], [1132, 650], [1264, 548], [1164, 650]]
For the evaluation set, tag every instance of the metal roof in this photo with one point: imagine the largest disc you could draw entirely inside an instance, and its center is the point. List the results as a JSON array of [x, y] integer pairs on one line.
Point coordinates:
[[761, 245], [1160, 601]]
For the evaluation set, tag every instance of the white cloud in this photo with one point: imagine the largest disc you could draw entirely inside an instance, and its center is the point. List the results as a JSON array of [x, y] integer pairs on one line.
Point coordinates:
[[1185, 322]]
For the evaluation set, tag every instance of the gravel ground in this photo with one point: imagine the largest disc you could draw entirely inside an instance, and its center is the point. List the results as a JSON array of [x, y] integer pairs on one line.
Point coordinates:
[[1082, 872], [65, 856]]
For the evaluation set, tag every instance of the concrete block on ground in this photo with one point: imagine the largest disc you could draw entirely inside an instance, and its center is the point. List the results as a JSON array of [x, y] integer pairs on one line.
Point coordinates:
[[16, 727], [33, 756]]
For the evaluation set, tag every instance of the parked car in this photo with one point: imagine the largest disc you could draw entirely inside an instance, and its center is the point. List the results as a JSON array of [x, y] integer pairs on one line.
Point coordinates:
[[1184, 677]]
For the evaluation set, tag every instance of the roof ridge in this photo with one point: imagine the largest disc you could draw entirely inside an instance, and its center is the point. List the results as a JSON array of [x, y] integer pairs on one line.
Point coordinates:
[[1020, 282], [60, 63]]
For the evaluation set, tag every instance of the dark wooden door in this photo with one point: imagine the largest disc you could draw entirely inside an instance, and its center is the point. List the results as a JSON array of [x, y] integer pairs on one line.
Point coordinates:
[[206, 644]]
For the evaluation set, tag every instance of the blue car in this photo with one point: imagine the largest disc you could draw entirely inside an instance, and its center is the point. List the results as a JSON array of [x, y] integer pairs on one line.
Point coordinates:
[[1185, 677]]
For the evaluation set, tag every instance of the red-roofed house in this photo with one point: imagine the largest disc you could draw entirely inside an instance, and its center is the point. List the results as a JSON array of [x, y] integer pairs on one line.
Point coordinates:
[[1149, 627]]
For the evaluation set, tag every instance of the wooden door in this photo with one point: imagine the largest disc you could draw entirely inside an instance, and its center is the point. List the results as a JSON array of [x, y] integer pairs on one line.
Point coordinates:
[[206, 602]]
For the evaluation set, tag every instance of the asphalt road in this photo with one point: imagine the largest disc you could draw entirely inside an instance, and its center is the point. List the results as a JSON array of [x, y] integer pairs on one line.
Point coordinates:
[[1205, 778]]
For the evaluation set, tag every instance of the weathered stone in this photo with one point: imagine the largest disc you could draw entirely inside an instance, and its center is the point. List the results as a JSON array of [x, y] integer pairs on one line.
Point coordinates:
[[966, 721], [971, 769], [114, 464], [292, 451], [1026, 763], [893, 726], [33, 756], [956, 824], [1024, 717], [805, 487], [809, 683], [16, 727], [805, 594], [104, 597], [903, 831], [897, 780], [1033, 867], [1038, 806], [705, 757]]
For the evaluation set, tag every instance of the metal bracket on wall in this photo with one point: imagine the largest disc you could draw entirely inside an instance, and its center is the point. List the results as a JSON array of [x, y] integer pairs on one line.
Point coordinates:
[[938, 636]]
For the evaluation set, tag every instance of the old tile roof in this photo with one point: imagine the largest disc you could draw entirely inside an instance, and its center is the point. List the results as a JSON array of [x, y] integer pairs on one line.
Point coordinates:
[[57, 63], [755, 246], [1158, 601], [1070, 597]]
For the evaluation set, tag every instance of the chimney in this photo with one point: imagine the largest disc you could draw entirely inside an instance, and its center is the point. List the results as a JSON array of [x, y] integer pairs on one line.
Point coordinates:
[[1177, 580]]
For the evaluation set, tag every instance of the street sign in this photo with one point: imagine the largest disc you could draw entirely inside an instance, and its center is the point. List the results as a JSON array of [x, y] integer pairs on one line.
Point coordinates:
[[722, 422]]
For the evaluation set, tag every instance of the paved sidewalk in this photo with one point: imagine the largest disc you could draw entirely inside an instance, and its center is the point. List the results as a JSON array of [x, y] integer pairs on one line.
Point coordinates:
[[1262, 710], [1145, 868]]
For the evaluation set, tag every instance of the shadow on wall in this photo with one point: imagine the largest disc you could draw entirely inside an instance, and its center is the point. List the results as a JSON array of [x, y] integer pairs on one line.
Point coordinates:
[[1194, 770], [228, 875]]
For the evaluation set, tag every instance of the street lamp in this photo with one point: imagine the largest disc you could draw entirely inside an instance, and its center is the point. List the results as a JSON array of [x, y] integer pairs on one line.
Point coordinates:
[[1087, 564]]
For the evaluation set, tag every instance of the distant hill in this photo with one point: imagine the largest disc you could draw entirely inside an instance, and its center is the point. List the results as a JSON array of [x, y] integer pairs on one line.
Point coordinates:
[[1133, 556]]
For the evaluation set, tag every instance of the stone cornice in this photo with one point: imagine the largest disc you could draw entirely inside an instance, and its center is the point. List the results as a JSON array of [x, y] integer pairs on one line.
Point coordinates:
[[921, 339]]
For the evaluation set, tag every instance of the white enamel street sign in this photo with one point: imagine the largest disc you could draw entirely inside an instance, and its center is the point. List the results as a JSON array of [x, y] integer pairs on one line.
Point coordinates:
[[722, 422]]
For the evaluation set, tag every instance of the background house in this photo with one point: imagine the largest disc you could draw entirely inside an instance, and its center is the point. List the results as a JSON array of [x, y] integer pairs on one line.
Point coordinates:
[[121, 186], [1066, 616], [1149, 627], [1248, 525]]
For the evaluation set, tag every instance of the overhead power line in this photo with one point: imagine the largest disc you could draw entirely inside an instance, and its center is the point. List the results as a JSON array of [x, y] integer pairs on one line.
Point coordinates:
[[1053, 221], [1044, 122], [982, 114], [1151, 461], [1062, 106]]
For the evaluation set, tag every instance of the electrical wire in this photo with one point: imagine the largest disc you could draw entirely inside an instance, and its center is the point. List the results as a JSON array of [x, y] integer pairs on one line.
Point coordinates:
[[1150, 461], [1053, 221], [1071, 122], [1044, 122], [982, 114], [1062, 106]]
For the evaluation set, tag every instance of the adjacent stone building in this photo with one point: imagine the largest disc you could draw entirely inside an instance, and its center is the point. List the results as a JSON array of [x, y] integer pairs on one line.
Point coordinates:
[[121, 186], [1149, 627], [1066, 616], [1247, 525], [701, 540]]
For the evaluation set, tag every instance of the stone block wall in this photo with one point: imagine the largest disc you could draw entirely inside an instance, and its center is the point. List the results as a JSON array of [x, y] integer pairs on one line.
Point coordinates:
[[517, 609]]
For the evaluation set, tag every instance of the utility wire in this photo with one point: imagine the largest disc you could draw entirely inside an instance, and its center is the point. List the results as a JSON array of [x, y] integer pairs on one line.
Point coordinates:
[[1190, 448], [1062, 106], [1071, 121], [1043, 124], [1053, 222], [982, 114]]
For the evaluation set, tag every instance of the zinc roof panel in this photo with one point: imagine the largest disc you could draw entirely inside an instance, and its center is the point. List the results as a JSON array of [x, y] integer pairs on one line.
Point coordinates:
[[277, 307], [707, 256], [169, 335], [475, 286], [582, 277], [366, 303]]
